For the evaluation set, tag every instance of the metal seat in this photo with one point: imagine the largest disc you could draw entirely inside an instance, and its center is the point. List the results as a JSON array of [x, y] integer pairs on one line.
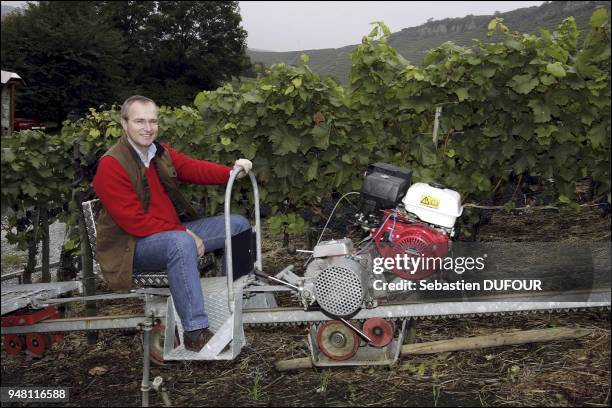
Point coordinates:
[[91, 210]]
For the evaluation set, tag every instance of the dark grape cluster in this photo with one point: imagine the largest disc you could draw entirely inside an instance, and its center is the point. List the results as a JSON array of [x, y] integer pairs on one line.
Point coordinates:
[[265, 210], [327, 205], [85, 169], [533, 190], [23, 223], [54, 212], [24, 219], [306, 214], [342, 218], [89, 170]]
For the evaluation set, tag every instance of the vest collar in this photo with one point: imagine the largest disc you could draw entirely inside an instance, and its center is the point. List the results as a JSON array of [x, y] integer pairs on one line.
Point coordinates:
[[151, 151], [158, 152]]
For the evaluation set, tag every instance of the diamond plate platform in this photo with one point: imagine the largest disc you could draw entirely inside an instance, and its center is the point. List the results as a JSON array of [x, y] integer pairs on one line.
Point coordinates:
[[15, 297], [227, 326]]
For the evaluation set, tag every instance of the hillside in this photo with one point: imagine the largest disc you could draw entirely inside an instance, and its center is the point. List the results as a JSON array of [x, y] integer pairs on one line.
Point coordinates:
[[414, 42], [7, 10]]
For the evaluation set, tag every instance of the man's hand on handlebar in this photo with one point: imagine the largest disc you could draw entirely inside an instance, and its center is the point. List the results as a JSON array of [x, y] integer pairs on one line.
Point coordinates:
[[246, 165]]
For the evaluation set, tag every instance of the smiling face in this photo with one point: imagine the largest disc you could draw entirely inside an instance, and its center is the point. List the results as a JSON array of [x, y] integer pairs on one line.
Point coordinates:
[[141, 124]]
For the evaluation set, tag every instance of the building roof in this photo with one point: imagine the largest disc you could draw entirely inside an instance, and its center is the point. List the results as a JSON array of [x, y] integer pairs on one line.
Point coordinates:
[[7, 76]]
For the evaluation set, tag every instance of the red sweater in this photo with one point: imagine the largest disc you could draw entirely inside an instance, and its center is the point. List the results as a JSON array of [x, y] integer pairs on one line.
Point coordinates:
[[114, 188]]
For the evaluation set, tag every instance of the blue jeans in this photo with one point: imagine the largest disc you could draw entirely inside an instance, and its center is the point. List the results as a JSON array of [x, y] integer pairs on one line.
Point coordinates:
[[176, 252]]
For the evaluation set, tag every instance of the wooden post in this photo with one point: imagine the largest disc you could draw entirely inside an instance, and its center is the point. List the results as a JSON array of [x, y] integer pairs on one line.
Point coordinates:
[[44, 224], [411, 335], [32, 248], [466, 343], [311, 237], [495, 340], [293, 364], [87, 275], [66, 269], [285, 237], [12, 109]]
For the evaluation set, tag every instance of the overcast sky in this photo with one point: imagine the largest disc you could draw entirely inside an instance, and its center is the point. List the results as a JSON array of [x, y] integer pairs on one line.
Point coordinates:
[[303, 25]]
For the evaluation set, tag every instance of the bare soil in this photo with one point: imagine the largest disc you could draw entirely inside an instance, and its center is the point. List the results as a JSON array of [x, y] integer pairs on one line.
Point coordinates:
[[561, 373]]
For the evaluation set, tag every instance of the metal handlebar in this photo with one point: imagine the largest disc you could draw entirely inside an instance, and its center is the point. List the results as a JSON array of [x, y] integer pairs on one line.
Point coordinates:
[[228, 232]]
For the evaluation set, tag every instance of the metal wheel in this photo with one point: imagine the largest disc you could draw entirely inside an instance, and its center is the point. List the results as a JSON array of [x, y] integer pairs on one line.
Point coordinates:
[[380, 331], [13, 344], [337, 341], [158, 336], [37, 343]]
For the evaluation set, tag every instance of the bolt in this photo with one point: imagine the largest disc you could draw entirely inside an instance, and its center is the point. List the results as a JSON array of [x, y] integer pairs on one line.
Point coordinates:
[[338, 339]]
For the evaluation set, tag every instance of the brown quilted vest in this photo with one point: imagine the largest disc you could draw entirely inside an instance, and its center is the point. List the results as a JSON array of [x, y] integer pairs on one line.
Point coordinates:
[[115, 247]]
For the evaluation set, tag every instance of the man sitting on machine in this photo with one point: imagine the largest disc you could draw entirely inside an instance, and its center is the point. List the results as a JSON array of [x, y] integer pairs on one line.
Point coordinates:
[[147, 225]]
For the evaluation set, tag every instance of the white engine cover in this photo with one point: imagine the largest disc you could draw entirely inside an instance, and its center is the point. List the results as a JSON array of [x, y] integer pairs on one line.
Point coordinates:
[[438, 206]]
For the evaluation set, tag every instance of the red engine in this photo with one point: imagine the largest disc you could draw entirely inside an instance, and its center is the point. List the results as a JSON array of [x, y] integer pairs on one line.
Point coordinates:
[[411, 241]]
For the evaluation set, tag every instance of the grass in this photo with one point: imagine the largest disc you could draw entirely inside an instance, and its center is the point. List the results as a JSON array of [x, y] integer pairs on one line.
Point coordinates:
[[255, 391], [11, 261], [436, 394], [325, 379]]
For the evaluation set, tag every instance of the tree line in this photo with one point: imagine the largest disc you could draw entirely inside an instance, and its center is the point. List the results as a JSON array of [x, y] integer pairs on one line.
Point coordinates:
[[73, 55]]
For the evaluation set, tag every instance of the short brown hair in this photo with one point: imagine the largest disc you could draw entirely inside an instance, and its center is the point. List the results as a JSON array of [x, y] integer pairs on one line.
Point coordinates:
[[125, 108]]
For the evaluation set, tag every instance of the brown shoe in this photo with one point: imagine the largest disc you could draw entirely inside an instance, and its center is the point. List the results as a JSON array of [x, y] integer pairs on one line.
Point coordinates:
[[195, 340]]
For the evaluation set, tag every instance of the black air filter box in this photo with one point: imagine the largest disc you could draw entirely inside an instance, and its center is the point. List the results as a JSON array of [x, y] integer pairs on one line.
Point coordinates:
[[383, 187]]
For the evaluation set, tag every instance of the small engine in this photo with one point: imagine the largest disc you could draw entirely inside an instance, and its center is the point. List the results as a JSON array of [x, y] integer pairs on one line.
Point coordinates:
[[409, 221], [417, 224]]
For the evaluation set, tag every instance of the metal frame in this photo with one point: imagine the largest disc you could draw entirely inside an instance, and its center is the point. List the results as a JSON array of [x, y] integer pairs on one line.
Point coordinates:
[[501, 304], [15, 297], [228, 231]]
